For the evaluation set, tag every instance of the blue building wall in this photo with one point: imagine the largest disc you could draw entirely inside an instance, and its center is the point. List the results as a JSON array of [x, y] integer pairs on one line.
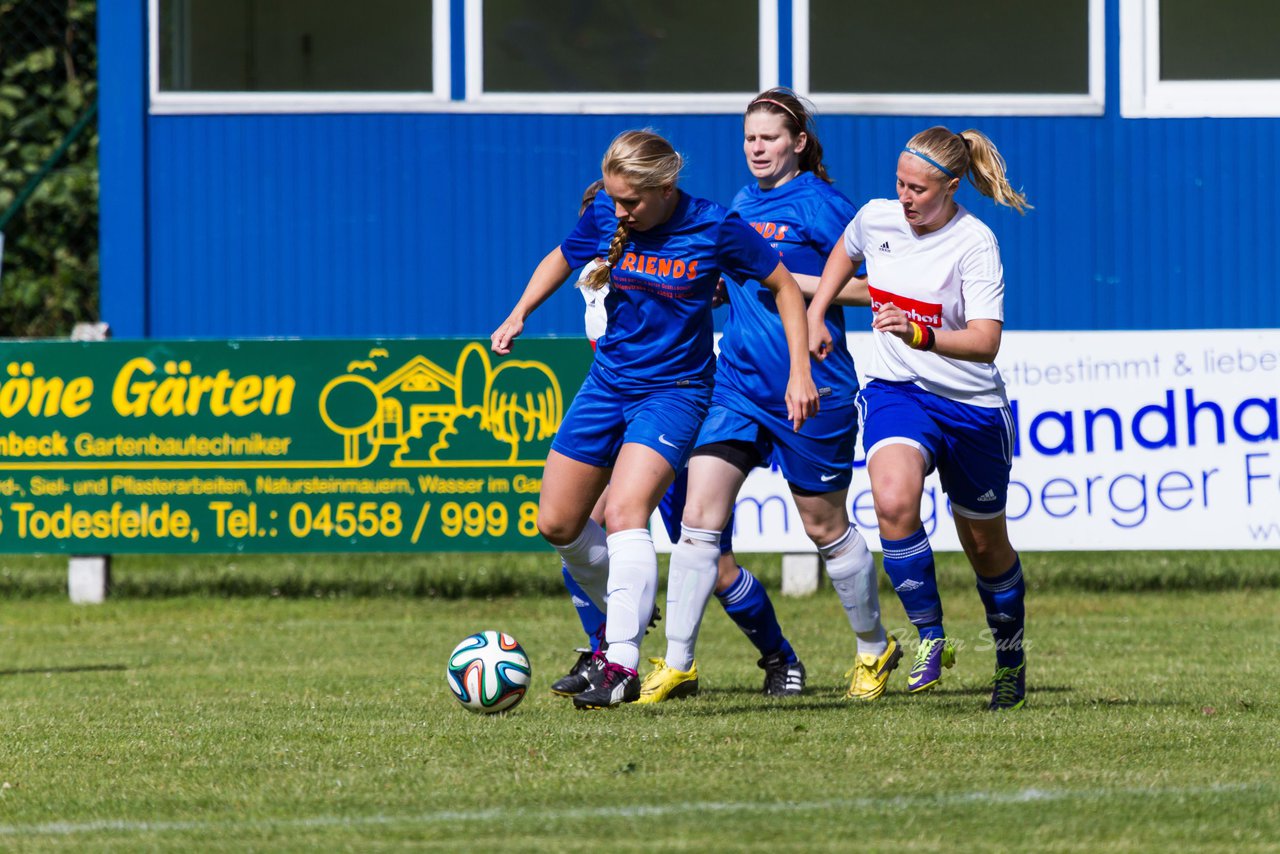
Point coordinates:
[[429, 224]]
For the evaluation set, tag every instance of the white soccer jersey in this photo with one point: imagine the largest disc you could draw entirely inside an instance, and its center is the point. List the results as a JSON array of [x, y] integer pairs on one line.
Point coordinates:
[[942, 279]]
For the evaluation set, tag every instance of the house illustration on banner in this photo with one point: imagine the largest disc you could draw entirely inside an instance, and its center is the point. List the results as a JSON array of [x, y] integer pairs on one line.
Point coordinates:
[[425, 415]]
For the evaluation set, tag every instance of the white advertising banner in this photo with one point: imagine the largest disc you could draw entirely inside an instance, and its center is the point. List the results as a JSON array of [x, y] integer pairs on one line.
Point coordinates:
[[1125, 440]]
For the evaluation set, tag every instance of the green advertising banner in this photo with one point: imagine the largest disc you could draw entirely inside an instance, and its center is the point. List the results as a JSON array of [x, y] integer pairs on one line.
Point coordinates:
[[278, 445]]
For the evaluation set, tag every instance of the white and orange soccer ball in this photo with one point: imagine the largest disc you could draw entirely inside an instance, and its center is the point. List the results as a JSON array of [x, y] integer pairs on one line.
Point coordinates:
[[488, 672]]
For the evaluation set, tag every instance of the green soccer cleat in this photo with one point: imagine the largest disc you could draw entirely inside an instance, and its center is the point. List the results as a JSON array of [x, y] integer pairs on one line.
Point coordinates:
[[1009, 688]]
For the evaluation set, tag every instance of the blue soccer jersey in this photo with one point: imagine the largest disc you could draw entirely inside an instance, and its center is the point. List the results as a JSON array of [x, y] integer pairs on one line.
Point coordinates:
[[802, 219], [659, 304]]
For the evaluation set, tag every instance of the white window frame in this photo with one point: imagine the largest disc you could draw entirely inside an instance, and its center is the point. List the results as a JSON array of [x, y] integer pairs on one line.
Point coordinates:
[[477, 100], [306, 102], [613, 102], [1091, 103], [1144, 95]]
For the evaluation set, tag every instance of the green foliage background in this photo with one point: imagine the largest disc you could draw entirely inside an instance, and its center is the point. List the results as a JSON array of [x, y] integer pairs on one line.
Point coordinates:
[[48, 79]]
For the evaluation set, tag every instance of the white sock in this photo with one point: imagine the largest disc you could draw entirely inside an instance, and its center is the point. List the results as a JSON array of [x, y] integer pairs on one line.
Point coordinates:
[[853, 574], [587, 559], [691, 578], [633, 587]]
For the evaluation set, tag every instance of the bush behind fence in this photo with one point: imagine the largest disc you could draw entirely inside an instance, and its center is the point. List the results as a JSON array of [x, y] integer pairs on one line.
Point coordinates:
[[48, 85]]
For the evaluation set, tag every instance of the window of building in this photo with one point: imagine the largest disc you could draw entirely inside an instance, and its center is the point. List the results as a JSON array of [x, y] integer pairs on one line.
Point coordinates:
[[1198, 58], [279, 55], [984, 56], [657, 56]]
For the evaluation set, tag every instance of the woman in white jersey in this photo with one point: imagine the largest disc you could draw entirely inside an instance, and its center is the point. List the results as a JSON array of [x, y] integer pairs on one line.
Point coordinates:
[[935, 398]]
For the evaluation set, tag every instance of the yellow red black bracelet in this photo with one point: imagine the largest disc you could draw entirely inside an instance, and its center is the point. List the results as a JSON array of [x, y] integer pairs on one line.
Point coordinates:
[[922, 337]]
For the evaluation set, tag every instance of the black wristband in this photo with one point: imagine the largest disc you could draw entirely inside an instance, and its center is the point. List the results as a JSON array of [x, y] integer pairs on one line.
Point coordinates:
[[929, 339]]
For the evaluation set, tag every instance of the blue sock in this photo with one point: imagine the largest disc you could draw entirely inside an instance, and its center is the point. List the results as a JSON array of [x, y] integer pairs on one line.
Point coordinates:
[[909, 564], [747, 603], [591, 617], [1004, 598]]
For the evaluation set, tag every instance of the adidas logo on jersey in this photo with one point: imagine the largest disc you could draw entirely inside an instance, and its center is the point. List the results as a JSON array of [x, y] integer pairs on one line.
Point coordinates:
[[884, 247], [989, 495]]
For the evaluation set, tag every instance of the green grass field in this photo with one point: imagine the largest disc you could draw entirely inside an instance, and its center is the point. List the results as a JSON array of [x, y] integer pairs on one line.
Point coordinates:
[[299, 704]]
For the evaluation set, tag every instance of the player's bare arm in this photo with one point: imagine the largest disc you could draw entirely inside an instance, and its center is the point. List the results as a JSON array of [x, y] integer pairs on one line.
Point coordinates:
[[979, 341], [549, 275], [836, 274], [854, 293], [802, 394]]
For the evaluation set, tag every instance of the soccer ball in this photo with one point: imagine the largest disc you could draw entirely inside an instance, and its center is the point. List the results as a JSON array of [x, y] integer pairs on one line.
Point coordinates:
[[488, 672]]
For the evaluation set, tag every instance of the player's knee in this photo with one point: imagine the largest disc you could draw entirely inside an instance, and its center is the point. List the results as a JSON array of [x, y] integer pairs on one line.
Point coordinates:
[[825, 531], [556, 529], [988, 554], [898, 511], [622, 515], [703, 516]]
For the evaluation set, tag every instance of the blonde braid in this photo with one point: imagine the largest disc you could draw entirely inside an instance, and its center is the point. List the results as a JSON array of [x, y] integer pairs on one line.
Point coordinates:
[[599, 277]]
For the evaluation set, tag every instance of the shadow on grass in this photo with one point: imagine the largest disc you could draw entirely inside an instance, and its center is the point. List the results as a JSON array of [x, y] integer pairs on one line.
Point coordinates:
[[782, 705], [486, 575], [968, 690], [738, 699], [74, 668]]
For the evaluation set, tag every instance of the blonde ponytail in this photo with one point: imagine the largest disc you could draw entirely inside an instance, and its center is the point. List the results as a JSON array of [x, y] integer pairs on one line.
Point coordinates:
[[987, 172]]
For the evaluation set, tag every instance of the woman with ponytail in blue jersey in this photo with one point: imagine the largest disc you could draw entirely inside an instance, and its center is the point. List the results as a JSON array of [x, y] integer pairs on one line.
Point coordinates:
[[791, 203], [638, 412]]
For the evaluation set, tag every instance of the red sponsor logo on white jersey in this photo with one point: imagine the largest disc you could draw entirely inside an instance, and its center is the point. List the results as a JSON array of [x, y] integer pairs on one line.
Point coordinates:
[[925, 313]]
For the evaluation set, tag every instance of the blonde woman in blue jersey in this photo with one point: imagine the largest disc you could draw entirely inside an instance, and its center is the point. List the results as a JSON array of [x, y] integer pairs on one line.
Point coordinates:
[[743, 597], [637, 414], [792, 204], [935, 398]]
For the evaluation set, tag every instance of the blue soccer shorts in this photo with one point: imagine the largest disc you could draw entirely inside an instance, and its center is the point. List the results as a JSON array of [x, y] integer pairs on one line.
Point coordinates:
[[602, 418], [816, 460], [970, 446]]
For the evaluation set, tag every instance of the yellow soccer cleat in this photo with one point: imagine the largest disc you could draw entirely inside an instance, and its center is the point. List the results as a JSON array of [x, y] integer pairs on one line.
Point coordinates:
[[870, 673], [667, 683]]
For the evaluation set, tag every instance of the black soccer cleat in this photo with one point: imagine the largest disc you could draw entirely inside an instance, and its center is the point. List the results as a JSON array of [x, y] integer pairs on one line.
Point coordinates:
[[589, 668], [782, 678], [575, 681], [612, 685]]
